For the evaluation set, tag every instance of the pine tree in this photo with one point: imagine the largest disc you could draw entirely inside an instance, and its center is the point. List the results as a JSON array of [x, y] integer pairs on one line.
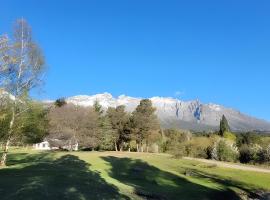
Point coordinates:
[[60, 102], [224, 126], [144, 120], [119, 118], [98, 108]]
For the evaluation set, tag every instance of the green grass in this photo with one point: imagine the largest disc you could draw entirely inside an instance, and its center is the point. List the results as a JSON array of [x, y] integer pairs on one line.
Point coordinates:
[[109, 175]]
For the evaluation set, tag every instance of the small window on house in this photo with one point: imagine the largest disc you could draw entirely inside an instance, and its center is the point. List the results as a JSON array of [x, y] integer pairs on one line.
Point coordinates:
[[44, 145]]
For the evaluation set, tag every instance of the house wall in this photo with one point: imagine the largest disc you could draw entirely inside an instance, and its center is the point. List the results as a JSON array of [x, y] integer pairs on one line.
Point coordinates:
[[42, 146], [46, 146]]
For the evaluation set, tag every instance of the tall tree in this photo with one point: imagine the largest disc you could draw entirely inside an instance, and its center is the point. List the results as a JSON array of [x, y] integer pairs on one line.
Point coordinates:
[[32, 125], [98, 108], [119, 118], [71, 122], [107, 135], [21, 69], [224, 126], [144, 120]]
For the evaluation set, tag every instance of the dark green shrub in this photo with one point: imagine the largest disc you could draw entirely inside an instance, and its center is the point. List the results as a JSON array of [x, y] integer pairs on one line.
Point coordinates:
[[225, 152], [263, 156], [245, 154]]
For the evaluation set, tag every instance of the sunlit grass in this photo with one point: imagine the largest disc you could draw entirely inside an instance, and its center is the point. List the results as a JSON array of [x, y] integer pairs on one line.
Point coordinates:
[[109, 175]]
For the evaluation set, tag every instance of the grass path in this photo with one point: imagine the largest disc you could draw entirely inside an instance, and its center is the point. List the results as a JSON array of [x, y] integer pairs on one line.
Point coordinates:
[[231, 165]]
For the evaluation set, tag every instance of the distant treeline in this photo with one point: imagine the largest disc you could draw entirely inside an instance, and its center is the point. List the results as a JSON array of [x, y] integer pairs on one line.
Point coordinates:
[[115, 129]]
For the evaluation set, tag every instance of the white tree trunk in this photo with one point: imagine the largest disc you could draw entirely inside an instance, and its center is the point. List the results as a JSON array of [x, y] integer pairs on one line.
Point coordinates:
[[141, 147], [4, 156], [115, 146], [6, 147]]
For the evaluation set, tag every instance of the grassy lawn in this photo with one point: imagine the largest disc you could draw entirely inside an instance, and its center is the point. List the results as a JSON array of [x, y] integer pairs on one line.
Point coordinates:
[[110, 175]]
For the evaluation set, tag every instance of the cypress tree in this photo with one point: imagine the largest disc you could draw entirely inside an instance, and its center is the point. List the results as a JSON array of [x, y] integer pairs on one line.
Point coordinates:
[[224, 126]]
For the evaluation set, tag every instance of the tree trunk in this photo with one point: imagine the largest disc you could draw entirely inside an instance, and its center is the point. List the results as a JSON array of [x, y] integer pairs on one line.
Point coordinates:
[[141, 147], [137, 145], [147, 149], [115, 146], [129, 149], [4, 156]]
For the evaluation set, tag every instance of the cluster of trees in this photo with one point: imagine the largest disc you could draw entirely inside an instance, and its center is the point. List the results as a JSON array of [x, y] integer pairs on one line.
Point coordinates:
[[114, 129], [222, 145]]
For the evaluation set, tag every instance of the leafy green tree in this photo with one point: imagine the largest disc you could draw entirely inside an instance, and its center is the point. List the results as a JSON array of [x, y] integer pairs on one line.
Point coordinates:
[[5, 118], [224, 126], [247, 139], [107, 134], [119, 119], [21, 69], [33, 124], [145, 121], [30, 127]]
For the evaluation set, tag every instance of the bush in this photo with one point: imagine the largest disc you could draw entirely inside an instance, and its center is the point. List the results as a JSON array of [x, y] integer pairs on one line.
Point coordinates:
[[225, 152], [245, 154], [229, 136], [179, 151], [263, 155], [197, 147], [209, 152]]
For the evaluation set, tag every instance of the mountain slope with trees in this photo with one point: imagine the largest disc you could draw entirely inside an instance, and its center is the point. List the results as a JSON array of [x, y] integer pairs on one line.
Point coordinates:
[[174, 113]]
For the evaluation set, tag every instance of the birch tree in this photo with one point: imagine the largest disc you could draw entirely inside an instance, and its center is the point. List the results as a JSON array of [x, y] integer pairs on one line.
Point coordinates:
[[21, 69]]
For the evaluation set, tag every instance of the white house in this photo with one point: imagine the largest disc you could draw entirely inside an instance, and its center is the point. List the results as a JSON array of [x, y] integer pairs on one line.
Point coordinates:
[[45, 145], [55, 144]]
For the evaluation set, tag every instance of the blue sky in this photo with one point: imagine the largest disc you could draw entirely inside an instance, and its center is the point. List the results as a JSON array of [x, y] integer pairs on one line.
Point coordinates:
[[215, 51]]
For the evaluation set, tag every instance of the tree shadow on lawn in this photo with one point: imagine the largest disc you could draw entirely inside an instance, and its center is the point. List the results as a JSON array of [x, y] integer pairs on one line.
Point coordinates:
[[66, 178], [248, 190], [150, 182], [26, 158]]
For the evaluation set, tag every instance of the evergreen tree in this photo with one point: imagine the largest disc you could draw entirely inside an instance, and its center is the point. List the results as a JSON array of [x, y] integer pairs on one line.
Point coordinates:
[[224, 126], [34, 124], [144, 120], [98, 108], [107, 134], [119, 118], [60, 102]]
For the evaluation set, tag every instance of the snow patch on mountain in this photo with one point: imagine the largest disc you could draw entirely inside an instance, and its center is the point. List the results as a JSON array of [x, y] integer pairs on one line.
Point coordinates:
[[174, 113]]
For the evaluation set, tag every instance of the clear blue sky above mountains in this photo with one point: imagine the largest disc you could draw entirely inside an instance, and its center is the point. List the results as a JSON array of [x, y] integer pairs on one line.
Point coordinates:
[[216, 51]]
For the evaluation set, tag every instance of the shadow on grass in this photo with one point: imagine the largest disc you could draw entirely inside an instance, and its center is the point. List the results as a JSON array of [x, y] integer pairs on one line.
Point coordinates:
[[65, 178], [248, 192], [26, 158], [150, 182]]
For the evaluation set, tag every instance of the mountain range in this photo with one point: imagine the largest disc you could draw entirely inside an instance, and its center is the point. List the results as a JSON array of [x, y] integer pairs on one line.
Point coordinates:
[[175, 113]]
